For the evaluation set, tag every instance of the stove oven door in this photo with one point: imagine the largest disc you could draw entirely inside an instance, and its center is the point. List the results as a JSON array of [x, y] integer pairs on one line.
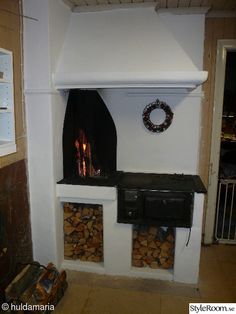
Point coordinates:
[[170, 209]]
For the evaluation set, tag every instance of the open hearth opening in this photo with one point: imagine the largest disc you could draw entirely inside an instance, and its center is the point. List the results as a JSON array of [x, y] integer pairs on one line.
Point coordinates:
[[89, 137]]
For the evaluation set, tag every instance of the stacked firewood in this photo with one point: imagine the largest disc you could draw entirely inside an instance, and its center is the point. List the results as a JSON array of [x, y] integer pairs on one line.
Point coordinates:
[[83, 232], [153, 247]]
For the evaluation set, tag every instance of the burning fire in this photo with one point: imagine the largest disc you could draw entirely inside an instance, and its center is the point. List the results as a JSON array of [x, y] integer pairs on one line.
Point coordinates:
[[84, 158]]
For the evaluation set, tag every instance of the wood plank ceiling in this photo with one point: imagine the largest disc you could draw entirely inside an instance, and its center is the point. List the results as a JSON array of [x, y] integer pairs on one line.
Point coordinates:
[[216, 5]]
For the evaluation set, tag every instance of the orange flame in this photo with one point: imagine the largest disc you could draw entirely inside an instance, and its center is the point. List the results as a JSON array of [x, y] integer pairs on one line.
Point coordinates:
[[77, 144]]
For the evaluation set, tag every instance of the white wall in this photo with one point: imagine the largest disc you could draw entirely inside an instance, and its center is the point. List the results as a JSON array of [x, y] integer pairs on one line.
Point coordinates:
[[174, 151], [44, 112], [36, 45], [43, 40]]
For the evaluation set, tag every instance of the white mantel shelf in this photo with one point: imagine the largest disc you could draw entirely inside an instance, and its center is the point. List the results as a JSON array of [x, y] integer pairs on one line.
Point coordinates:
[[67, 191], [161, 79]]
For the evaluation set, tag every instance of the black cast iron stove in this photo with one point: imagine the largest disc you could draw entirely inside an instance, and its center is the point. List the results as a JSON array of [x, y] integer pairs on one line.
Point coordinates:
[[157, 199]]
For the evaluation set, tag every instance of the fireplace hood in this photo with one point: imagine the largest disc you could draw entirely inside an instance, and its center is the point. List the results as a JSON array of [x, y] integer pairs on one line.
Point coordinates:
[[132, 48]]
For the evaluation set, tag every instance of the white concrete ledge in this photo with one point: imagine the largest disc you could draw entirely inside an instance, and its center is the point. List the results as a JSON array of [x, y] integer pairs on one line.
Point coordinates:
[[7, 148], [160, 79], [145, 272], [90, 267], [98, 193]]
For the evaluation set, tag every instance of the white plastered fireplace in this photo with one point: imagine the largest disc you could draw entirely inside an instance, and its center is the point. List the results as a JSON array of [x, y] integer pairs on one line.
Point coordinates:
[[47, 44]]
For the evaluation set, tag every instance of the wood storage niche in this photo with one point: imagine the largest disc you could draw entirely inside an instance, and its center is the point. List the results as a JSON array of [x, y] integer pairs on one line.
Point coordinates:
[[153, 247], [83, 232]]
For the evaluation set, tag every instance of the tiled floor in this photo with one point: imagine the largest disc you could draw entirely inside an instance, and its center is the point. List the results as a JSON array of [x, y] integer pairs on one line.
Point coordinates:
[[94, 294]]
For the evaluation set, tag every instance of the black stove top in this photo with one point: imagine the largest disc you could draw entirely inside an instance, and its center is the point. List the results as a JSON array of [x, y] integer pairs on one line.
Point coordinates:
[[143, 181], [161, 182]]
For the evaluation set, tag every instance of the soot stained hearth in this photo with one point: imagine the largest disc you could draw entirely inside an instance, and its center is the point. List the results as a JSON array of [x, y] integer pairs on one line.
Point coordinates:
[[89, 138]]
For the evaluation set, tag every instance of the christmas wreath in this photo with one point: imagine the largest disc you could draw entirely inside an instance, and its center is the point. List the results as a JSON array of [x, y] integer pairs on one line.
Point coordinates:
[[157, 127]]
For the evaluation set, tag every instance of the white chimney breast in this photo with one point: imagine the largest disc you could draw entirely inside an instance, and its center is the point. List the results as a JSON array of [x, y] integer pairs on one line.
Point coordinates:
[[127, 43], [132, 48]]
